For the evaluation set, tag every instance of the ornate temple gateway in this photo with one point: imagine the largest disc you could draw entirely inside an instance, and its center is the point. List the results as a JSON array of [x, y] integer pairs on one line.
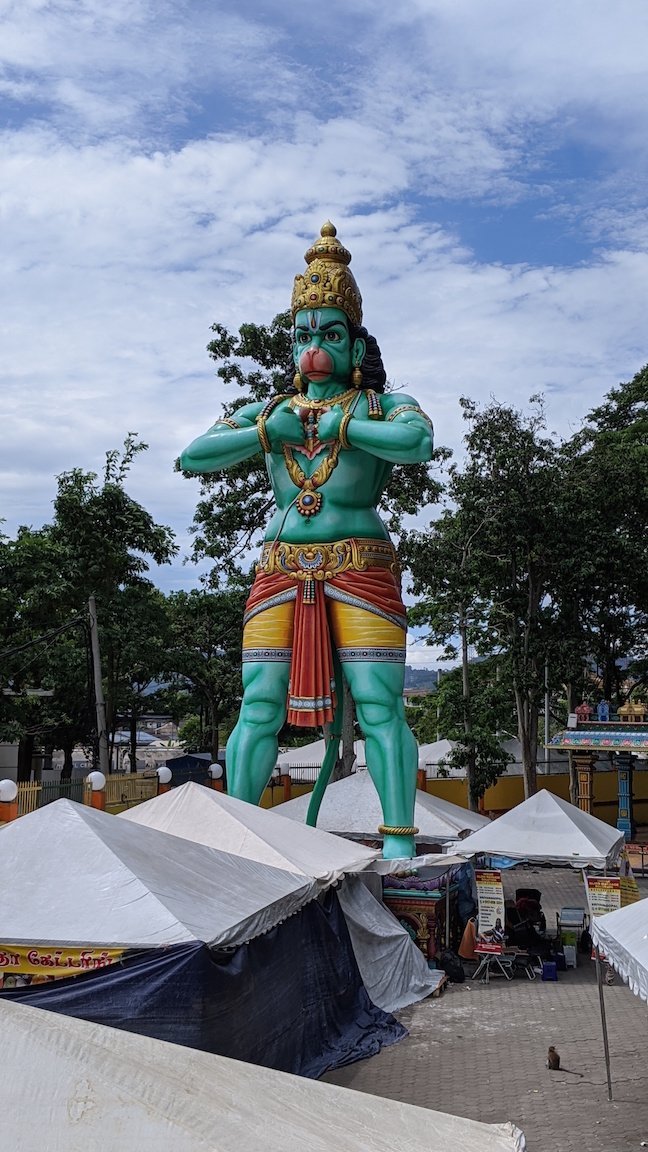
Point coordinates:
[[624, 736]]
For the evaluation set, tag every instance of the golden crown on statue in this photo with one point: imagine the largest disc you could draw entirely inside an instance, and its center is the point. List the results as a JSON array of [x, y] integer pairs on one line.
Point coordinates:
[[327, 281]]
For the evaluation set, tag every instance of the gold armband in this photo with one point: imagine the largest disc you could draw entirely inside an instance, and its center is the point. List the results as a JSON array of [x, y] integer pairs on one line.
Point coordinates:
[[230, 423], [263, 435], [408, 408], [265, 412], [342, 432]]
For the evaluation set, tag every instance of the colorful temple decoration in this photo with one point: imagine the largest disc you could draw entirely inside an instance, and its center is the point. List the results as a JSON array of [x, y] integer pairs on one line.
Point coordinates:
[[625, 738]]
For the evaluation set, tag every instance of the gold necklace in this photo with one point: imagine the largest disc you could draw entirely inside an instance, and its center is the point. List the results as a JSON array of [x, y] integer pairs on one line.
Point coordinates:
[[309, 501], [320, 404]]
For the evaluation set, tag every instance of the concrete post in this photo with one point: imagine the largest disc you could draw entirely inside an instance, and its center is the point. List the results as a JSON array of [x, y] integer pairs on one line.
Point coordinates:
[[164, 777], [97, 782], [8, 801], [215, 773]]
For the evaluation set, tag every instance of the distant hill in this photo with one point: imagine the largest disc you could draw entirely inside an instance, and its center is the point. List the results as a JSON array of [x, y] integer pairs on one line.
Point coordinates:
[[421, 677]]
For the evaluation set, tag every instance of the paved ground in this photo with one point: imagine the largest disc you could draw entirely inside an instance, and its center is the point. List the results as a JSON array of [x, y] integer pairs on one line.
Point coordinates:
[[480, 1050]]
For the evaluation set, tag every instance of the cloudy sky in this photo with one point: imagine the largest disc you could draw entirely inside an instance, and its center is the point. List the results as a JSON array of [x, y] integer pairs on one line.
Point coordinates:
[[166, 164]]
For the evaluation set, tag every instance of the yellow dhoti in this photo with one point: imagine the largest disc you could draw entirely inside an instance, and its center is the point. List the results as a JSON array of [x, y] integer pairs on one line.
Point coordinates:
[[307, 599]]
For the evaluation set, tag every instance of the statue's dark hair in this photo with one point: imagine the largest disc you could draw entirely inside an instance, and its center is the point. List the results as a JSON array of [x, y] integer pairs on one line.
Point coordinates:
[[373, 371]]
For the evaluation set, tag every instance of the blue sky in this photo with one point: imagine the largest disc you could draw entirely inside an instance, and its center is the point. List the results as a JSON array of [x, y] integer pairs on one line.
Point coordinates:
[[165, 165]]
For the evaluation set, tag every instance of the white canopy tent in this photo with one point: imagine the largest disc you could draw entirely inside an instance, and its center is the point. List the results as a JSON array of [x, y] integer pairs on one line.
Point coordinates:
[[622, 937], [393, 969], [205, 816], [312, 755], [81, 1087], [546, 828], [351, 808], [72, 875], [430, 756]]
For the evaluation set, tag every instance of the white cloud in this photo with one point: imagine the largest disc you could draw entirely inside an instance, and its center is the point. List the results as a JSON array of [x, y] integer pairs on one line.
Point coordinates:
[[123, 244]]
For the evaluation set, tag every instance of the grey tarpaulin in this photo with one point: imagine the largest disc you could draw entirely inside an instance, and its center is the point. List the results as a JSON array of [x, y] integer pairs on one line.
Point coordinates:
[[291, 999]]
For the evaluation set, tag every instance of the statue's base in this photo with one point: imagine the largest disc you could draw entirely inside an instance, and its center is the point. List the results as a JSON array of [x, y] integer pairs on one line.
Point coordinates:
[[398, 847]]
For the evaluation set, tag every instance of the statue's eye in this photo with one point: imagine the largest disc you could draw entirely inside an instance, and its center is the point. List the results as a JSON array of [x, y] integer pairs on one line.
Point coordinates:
[[333, 337], [303, 338]]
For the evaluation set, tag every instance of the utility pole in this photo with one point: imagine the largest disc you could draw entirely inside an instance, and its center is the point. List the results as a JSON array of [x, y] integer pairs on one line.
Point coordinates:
[[546, 718], [98, 687]]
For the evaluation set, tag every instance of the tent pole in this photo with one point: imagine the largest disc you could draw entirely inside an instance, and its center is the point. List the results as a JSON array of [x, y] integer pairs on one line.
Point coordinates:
[[447, 914], [599, 981]]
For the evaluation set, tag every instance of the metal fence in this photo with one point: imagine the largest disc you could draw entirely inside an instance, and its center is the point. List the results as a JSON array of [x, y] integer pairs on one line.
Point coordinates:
[[304, 773], [32, 796]]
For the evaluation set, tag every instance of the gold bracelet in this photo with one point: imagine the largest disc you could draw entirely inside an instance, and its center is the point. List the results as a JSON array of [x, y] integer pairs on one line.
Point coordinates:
[[387, 830], [342, 432], [263, 435]]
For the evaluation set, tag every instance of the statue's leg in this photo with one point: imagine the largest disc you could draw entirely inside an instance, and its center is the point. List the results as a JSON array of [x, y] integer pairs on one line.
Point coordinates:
[[392, 756], [252, 748]]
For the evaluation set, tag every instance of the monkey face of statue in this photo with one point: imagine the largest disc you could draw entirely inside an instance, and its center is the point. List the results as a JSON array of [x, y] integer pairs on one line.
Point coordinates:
[[323, 350]]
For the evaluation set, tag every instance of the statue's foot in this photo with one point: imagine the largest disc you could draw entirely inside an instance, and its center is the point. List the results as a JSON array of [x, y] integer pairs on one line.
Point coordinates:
[[395, 847]]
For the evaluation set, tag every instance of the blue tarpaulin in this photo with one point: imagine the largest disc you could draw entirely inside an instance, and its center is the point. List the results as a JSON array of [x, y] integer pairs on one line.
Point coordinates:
[[291, 999]]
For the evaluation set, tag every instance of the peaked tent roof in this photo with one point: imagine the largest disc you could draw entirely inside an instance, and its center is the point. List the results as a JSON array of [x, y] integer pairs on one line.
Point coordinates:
[[205, 816], [312, 755], [101, 1088], [622, 936], [351, 808], [545, 827], [392, 968], [72, 875], [432, 753]]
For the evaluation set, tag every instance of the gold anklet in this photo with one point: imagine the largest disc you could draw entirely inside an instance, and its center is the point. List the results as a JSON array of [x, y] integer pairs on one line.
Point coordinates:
[[387, 830]]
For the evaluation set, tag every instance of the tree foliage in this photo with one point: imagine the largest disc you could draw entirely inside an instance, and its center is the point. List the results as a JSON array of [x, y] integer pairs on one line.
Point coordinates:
[[486, 568], [604, 595], [204, 652], [99, 543]]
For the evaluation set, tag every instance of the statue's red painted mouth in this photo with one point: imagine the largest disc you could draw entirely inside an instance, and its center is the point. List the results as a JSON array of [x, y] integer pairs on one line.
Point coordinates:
[[316, 364]]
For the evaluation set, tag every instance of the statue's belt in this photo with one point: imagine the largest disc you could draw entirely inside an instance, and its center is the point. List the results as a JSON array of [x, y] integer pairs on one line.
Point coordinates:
[[323, 561]]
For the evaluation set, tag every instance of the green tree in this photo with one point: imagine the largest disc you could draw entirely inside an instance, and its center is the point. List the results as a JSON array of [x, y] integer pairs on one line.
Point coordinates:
[[99, 543], [204, 650], [135, 637], [492, 715], [605, 590], [486, 570]]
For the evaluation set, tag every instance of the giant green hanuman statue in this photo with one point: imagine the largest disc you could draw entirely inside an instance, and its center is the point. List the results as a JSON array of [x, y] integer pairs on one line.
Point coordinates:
[[326, 600]]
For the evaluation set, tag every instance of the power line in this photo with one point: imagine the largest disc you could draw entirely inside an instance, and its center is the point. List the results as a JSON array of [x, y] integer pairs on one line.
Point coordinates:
[[44, 638]]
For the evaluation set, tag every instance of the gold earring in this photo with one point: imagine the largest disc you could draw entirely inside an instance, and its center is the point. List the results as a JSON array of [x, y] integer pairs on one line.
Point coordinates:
[[298, 382], [356, 376]]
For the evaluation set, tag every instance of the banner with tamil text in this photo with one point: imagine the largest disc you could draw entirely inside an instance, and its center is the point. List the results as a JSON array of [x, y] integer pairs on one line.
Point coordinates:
[[50, 963]]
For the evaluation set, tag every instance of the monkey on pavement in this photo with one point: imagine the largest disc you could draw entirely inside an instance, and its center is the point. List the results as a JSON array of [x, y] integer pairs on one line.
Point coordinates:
[[553, 1063]]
